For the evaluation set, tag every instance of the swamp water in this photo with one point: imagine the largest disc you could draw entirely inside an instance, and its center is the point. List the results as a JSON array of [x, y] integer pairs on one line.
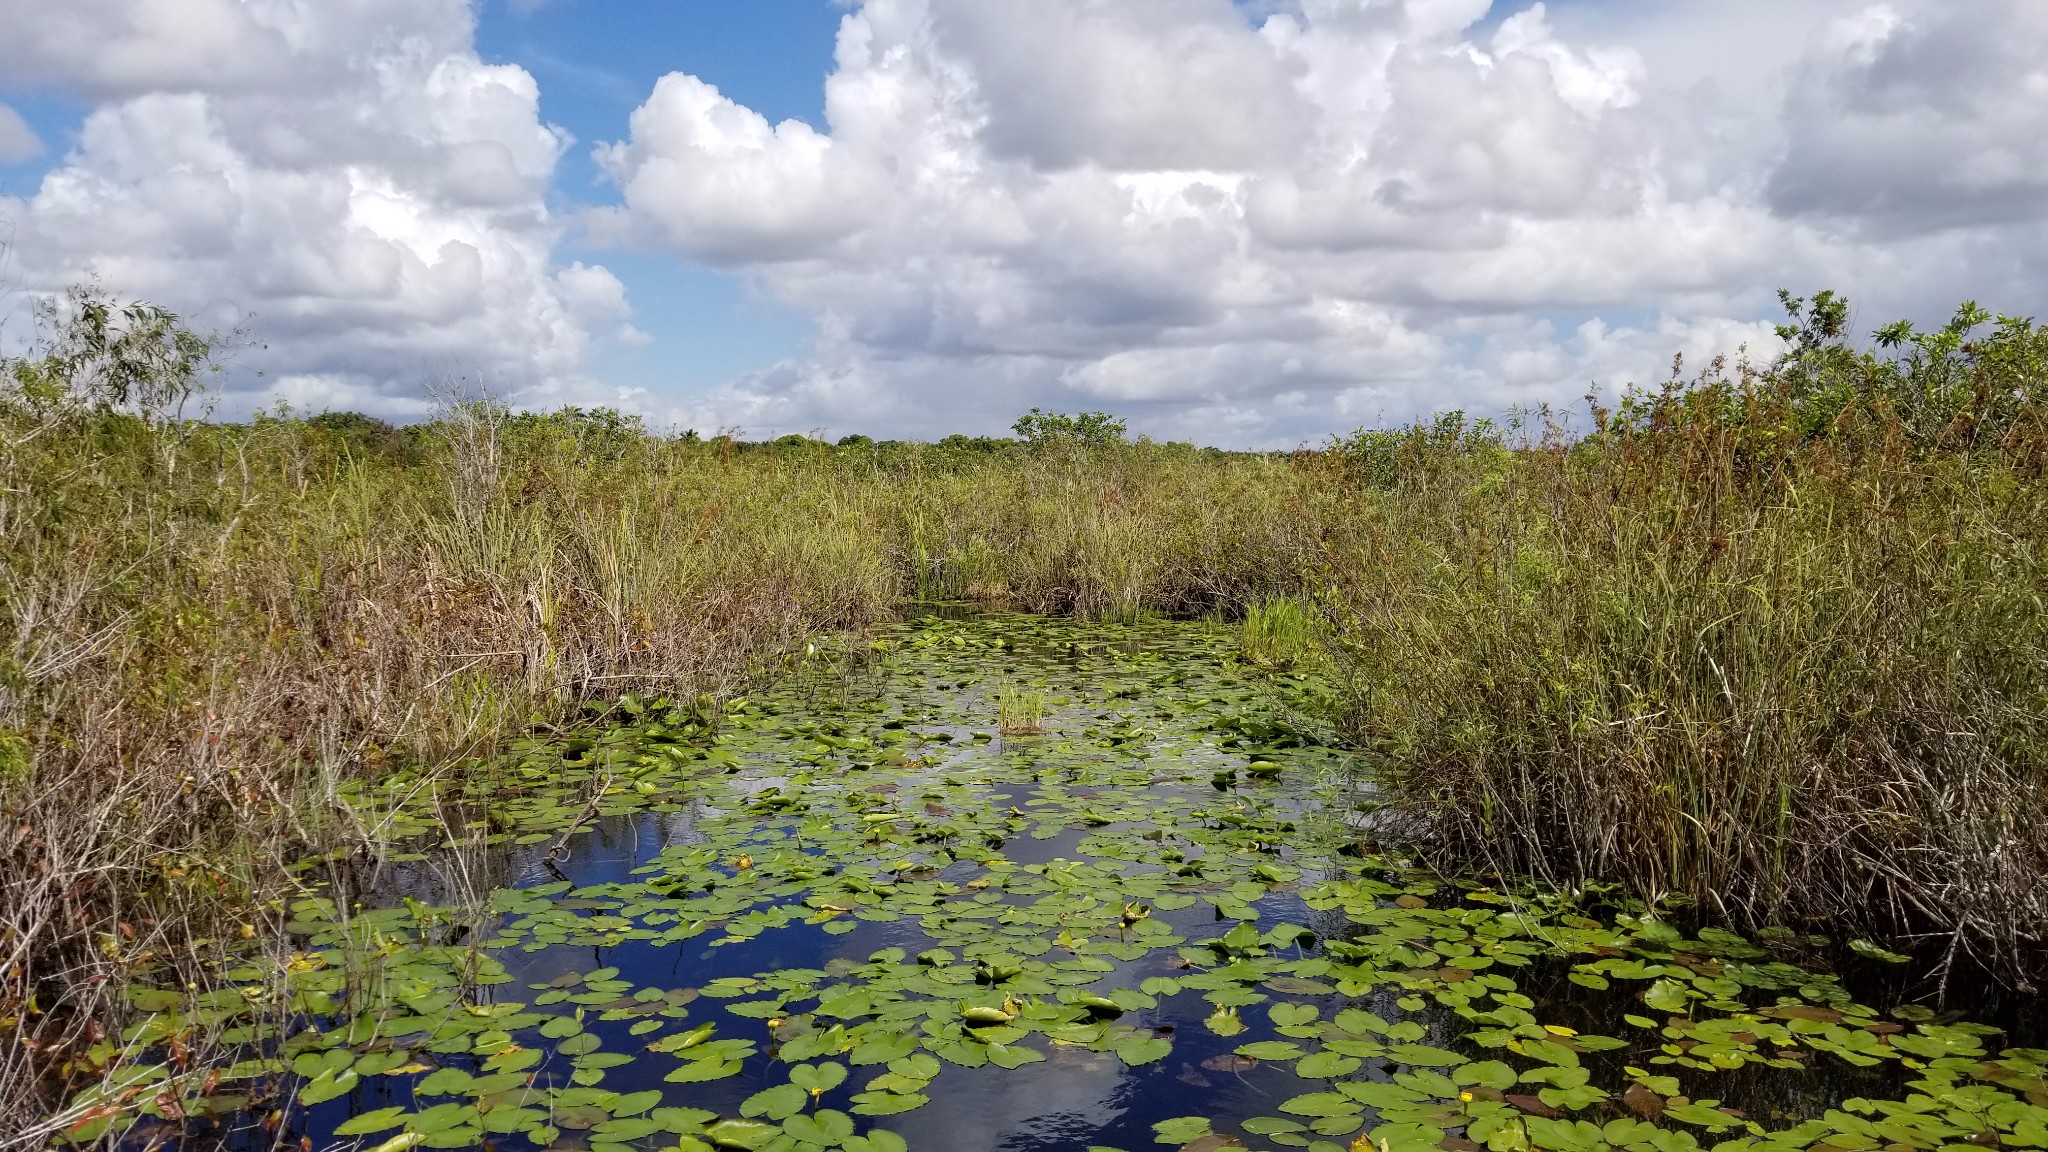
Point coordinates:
[[851, 914]]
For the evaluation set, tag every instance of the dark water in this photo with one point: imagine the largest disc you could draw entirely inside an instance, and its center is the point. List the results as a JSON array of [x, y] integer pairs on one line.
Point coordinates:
[[869, 807]]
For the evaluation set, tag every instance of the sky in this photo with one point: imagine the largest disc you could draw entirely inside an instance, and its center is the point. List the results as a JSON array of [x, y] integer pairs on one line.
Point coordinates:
[[1250, 224]]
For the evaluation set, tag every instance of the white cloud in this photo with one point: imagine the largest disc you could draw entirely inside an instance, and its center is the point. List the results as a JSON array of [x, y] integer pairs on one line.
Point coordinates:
[[18, 142], [1128, 85], [349, 174], [1234, 222], [722, 184], [1919, 121], [1342, 209]]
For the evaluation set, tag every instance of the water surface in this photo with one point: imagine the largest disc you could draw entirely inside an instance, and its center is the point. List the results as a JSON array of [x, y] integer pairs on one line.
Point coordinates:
[[851, 913]]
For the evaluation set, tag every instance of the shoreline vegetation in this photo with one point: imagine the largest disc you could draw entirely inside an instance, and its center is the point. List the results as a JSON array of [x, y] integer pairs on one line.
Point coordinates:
[[1768, 640]]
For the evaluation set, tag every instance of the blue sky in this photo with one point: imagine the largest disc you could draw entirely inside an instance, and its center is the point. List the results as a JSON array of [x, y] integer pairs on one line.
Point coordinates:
[[596, 60], [1251, 222]]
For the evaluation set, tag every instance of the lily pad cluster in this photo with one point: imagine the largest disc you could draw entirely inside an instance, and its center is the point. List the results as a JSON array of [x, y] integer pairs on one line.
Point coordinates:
[[1167, 886]]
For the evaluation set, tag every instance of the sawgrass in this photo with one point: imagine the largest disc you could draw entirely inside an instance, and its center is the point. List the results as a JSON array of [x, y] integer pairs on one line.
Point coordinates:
[[1772, 642], [1769, 641]]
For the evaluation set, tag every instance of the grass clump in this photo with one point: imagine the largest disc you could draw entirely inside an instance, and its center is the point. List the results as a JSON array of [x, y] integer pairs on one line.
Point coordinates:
[[1277, 633], [1020, 711], [1768, 640]]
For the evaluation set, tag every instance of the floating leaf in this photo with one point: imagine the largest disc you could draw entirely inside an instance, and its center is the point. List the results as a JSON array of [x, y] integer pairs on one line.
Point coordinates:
[[1181, 1129], [369, 1122], [827, 1128], [743, 1134], [775, 1103], [1140, 1050]]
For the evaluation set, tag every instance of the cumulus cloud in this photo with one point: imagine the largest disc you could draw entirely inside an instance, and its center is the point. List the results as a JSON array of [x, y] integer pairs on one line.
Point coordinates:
[[1922, 120], [1234, 222], [348, 174], [722, 184], [1254, 223]]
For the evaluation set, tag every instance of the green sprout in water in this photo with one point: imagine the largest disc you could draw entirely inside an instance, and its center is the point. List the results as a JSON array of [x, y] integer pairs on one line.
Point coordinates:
[[1020, 711], [1276, 634]]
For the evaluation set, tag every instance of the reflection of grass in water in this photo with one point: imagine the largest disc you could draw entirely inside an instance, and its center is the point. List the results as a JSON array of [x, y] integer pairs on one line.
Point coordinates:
[[1276, 634], [1020, 711]]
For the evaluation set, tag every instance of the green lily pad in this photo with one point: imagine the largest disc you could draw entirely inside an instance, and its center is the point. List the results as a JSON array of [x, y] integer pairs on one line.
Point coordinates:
[[1143, 1050]]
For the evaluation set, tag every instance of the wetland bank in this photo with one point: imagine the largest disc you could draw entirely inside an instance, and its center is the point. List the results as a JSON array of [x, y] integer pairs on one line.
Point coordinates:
[[533, 780]]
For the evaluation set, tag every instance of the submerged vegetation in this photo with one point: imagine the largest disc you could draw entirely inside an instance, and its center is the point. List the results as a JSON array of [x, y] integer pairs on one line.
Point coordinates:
[[1768, 641]]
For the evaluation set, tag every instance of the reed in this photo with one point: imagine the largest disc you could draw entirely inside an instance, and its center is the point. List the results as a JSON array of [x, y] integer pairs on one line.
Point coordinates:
[[1768, 640], [212, 629], [1277, 633]]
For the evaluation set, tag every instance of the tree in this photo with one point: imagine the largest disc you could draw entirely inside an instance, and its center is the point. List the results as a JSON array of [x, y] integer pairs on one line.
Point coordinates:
[[136, 358], [1085, 430]]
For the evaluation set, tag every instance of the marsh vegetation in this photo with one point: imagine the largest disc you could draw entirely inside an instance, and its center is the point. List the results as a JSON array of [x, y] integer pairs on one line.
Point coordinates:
[[1689, 693]]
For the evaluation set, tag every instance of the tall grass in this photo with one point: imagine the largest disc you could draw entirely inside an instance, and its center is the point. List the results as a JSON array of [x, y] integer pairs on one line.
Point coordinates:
[[212, 628], [1277, 633], [1773, 641], [1020, 711]]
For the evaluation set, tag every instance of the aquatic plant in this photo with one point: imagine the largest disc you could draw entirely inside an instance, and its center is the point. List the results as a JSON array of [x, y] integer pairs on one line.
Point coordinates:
[[859, 933], [1277, 633], [1020, 711]]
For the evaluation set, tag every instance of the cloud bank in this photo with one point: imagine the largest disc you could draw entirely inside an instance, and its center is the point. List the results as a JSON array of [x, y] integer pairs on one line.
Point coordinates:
[[1240, 223], [1251, 227], [349, 173]]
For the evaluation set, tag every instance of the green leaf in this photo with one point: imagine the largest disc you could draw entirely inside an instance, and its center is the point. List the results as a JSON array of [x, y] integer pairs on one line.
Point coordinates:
[[1326, 1065], [1667, 995], [743, 1134], [634, 1103], [1423, 1054], [368, 1122], [328, 1086], [888, 1103], [882, 1049], [1181, 1129], [579, 1044], [702, 1071], [917, 1066], [1287, 1015], [561, 1028], [818, 1078], [777, 1103], [1140, 1050], [1491, 1073], [1271, 1050], [1013, 1055], [828, 1128], [1321, 1104]]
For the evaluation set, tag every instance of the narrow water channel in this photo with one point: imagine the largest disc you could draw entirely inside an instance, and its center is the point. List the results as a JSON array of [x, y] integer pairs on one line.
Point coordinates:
[[853, 913]]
